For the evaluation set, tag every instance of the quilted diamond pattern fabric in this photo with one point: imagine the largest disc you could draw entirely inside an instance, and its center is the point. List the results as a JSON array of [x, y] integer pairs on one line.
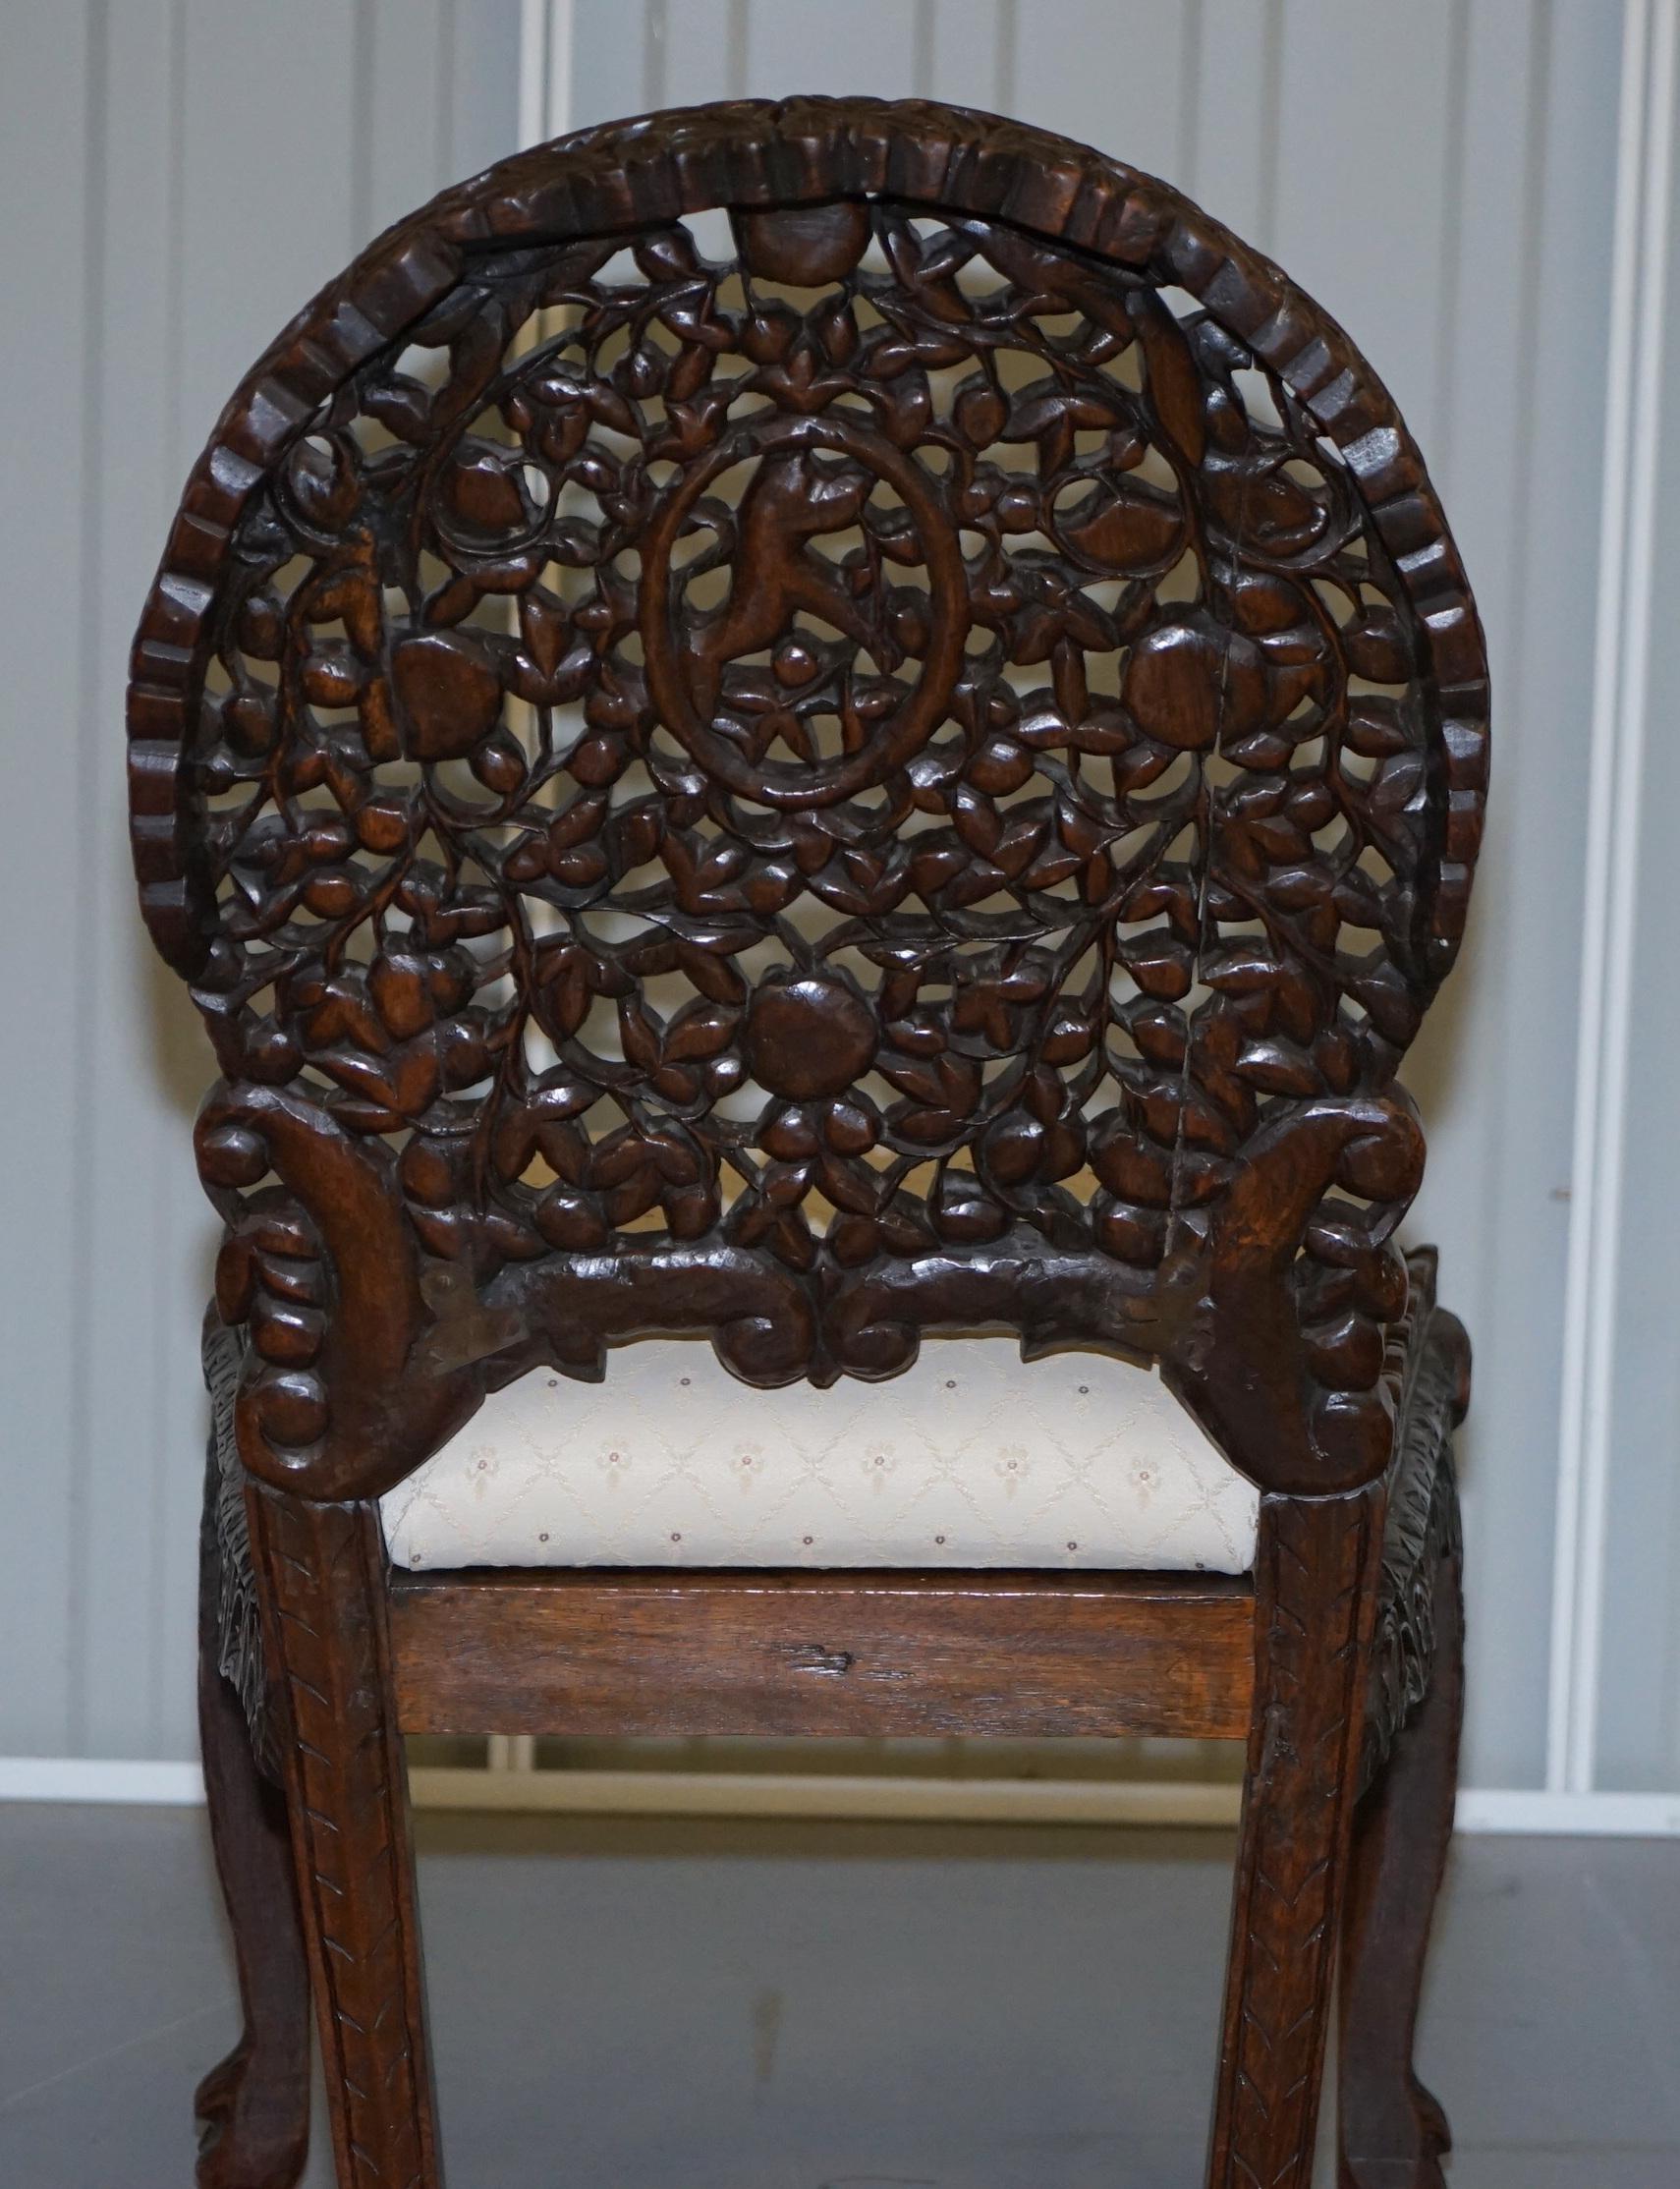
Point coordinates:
[[970, 1458]]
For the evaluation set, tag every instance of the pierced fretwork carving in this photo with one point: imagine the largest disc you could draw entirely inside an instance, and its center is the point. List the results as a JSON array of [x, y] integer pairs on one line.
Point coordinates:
[[931, 732]]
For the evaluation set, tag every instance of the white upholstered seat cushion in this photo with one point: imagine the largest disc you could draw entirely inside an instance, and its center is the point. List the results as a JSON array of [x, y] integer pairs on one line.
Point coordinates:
[[970, 1458]]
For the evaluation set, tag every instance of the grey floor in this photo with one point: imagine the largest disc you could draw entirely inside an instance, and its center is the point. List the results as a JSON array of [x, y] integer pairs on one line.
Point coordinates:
[[640, 2005]]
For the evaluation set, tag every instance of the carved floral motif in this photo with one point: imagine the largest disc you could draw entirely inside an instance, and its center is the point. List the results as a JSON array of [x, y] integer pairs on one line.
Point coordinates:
[[904, 745]]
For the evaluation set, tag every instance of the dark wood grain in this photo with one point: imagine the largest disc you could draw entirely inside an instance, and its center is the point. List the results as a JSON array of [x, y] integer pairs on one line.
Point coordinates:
[[859, 1655], [819, 821], [346, 1791], [1393, 2132], [917, 778], [1314, 1604], [254, 2106]]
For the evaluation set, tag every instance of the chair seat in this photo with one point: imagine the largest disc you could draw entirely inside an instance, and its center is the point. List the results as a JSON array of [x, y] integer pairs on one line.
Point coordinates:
[[971, 1458]]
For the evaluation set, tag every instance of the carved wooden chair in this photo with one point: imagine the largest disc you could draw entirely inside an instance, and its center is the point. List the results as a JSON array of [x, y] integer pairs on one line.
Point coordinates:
[[882, 779]]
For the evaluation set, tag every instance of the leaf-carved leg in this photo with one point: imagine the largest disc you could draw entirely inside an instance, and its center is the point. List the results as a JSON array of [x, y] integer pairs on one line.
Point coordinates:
[[1393, 2131], [1315, 1585], [347, 1789], [254, 2107]]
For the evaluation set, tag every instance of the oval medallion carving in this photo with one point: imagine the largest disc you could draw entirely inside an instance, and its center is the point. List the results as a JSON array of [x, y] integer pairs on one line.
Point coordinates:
[[804, 609]]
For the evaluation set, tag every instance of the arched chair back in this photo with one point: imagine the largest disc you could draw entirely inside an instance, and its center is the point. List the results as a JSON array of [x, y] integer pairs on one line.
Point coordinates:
[[905, 757]]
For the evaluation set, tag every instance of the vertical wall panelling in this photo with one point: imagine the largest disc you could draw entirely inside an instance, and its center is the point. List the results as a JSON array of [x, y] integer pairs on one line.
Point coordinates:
[[1362, 181], [1614, 901], [690, 54], [1638, 1750], [263, 227], [609, 49], [483, 89], [256, 229], [46, 95], [141, 1058], [964, 44], [533, 68], [546, 42], [1444, 175], [1112, 73], [438, 80], [1509, 381], [867, 46], [194, 172], [1230, 153], [405, 65]]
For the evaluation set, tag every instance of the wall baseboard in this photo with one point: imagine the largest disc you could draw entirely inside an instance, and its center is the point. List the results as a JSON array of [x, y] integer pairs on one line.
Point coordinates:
[[1184, 1803], [836, 1796], [97, 1779], [1523, 1809]]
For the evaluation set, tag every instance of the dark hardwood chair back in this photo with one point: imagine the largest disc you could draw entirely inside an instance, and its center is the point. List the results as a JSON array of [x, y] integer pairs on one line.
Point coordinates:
[[904, 759], [917, 775]]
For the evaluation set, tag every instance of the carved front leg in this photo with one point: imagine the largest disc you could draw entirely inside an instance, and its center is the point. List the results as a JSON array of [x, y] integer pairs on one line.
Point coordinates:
[[1314, 1581], [346, 1790], [1393, 2132], [254, 2107]]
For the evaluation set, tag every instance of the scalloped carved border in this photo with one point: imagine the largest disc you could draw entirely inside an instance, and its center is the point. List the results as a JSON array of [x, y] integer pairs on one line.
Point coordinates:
[[758, 153]]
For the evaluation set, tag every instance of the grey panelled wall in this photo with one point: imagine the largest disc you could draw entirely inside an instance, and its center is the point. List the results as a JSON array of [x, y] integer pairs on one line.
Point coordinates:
[[182, 175], [1641, 1522], [1440, 173]]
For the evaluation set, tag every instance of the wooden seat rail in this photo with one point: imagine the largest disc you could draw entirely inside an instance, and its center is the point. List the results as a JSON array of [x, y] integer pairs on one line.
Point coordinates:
[[858, 1655]]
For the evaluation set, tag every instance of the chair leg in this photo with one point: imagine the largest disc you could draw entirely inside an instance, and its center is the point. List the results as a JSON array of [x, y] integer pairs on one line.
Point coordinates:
[[323, 1584], [1393, 2132], [1316, 1577], [254, 2107]]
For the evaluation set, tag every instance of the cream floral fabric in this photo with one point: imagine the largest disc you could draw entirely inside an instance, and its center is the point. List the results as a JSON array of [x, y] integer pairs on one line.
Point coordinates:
[[971, 1458]]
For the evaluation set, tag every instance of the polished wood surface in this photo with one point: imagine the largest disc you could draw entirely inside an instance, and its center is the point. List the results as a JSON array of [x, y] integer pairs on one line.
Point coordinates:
[[919, 778], [1315, 1607], [1392, 2128], [322, 1580], [252, 2107], [934, 800], [856, 1656]]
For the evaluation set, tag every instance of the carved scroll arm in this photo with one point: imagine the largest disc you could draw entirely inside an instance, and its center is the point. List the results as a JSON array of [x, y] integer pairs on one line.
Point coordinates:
[[325, 1270], [1243, 1365]]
